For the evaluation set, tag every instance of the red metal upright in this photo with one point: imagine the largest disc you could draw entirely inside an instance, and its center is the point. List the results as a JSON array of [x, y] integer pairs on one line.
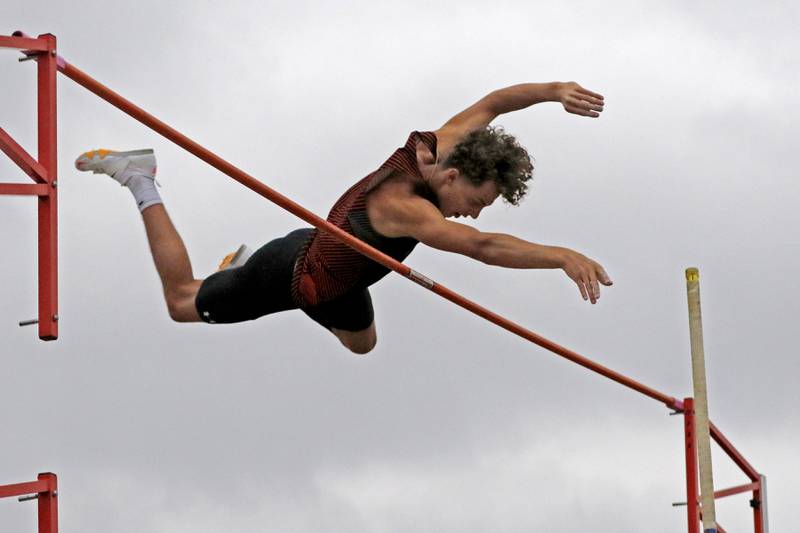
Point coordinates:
[[48, 504], [48, 205], [693, 514]]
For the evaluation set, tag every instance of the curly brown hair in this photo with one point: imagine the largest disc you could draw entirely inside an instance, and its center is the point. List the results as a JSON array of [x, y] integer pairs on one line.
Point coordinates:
[[491, 154]]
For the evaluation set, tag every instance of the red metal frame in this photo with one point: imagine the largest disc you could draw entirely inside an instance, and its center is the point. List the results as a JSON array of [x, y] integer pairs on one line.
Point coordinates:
[[46, 166], [45, 491], [44, 172], [693, 514]]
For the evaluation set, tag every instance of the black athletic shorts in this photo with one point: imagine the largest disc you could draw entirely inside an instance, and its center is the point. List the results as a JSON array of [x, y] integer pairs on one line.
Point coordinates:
[[262, 286]]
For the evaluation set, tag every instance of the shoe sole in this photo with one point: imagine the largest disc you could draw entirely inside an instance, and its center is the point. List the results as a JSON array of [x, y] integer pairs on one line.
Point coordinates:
[[91, 160], [103, 153]]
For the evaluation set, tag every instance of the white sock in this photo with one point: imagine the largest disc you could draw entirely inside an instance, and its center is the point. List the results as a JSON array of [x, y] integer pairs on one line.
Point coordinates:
[[144, 191]]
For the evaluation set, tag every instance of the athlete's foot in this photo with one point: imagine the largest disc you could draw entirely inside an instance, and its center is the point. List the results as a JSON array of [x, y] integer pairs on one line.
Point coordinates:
[[119, 165], [135, 169], [236, 259]]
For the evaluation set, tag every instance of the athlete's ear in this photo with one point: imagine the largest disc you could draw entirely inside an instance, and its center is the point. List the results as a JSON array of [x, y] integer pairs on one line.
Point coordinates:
[[450, 175]]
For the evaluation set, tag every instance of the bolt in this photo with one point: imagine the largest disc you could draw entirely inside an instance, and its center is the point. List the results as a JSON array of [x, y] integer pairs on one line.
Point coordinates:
[[55, 318], [53, 53], [55, 183]]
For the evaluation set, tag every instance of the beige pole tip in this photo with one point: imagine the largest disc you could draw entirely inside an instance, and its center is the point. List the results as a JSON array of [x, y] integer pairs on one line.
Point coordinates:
[[692, 274]]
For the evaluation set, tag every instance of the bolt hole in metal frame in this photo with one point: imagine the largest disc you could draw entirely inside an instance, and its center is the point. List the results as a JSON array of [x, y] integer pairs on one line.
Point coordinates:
[[43, 51]]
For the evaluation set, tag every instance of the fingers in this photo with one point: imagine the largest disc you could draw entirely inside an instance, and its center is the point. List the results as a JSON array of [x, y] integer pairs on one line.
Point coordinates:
[[583, 106], [585, 103], [589, 283], [605, 279], [590, 289], [584, 293], [589, 97], [587, 274], [580, 111], [589, 93]]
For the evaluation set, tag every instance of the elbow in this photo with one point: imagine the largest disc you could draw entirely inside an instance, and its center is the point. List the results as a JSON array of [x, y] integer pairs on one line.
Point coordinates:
[[494, 102]]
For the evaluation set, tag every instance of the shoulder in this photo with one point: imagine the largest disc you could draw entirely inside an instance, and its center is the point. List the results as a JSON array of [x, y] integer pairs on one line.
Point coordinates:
[[395, 207]]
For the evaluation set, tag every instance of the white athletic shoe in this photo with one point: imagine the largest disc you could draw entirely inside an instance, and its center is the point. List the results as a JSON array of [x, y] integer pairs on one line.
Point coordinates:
[[119, 165], [236, 259]]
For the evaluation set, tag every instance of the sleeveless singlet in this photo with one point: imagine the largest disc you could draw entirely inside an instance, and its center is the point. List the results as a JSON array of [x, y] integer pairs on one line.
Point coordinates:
[[327, 268]]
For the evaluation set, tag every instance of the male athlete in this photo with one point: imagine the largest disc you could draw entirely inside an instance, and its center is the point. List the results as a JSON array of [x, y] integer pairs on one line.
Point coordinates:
[[455, 171]]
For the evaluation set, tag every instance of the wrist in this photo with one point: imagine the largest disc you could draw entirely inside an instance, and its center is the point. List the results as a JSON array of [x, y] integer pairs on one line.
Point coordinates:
[[558, 256], [556, 88]]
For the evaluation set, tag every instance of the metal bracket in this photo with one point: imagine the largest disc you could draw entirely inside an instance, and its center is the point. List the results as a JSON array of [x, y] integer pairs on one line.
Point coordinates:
[[30, 497]]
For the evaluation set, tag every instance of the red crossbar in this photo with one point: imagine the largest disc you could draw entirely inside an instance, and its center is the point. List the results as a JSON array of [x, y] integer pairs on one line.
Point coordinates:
[[245, 179]]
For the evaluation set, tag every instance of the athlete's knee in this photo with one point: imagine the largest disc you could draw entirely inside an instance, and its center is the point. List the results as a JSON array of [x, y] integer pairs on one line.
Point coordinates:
[[176, 310], [362, 347], [361, 342], [181, 306]]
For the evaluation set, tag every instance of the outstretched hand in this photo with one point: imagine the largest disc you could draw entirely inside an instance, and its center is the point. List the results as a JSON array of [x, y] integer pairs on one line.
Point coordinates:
[[586, 273], [580, 101]]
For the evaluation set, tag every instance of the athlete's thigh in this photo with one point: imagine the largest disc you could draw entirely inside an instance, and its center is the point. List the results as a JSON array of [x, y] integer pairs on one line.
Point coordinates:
[[259, 287], [350, 313]]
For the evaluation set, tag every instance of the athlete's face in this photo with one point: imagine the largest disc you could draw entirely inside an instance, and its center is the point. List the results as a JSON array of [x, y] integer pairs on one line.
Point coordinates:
[[458, 197]]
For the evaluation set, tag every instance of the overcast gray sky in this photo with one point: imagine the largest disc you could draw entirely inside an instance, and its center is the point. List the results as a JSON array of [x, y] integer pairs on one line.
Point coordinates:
[[450, 424]]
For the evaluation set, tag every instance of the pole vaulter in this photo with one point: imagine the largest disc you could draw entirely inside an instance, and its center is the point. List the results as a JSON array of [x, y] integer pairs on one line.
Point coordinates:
[[757, 484]]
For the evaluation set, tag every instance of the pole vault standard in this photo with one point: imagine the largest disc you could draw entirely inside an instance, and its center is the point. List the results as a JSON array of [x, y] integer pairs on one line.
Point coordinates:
[[45, 491], [43, 172], [83, 79]]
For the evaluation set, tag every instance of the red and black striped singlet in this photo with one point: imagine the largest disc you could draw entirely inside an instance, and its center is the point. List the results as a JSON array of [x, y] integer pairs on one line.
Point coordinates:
[[327, 268]]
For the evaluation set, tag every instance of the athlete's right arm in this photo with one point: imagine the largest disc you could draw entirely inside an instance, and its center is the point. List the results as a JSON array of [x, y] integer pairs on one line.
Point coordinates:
[[421, 220]]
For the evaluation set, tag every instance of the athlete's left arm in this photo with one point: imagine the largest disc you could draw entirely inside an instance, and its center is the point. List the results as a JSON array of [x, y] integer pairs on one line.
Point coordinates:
[[573, 97]]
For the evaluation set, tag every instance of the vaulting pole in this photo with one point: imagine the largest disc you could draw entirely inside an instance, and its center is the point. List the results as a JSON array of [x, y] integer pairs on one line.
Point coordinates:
[[702, 432]]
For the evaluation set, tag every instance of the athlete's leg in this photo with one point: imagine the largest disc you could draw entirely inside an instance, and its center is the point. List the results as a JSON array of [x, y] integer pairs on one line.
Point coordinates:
[[350, 318], [172, 263], [136, 170], [358, 342], [259, 287]]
